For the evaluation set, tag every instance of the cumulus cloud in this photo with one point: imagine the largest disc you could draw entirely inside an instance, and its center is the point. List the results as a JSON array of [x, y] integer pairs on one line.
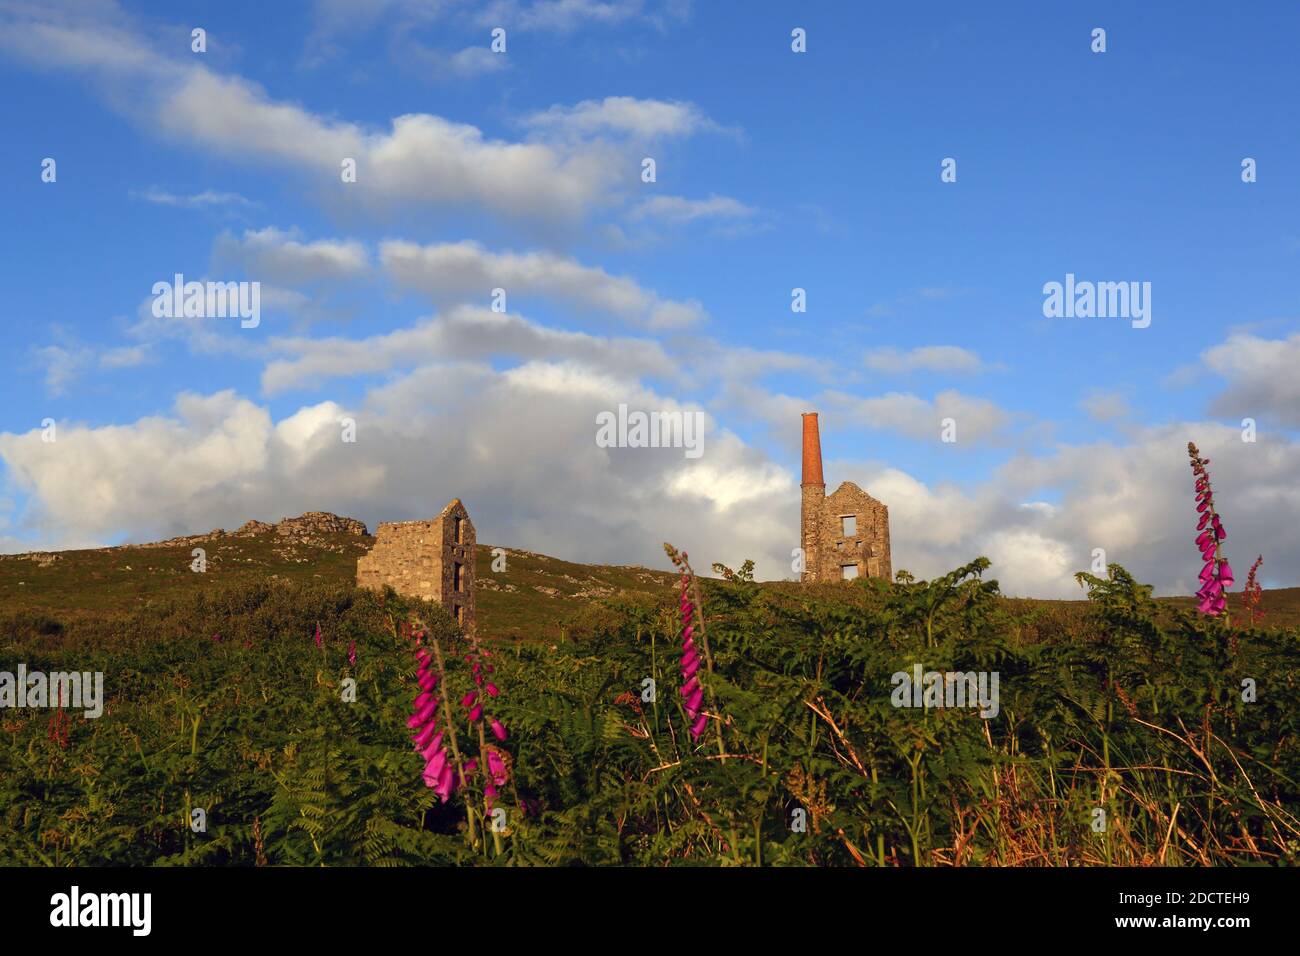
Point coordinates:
[[1261, 378], [421, 158], [518, 445], [418, 158], [278, 256], [453, 271], [464, 333], [907, 414], [1133, 500]]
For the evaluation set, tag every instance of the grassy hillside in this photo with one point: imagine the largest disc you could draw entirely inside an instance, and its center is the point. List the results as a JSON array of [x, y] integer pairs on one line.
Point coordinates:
[[535, 598]]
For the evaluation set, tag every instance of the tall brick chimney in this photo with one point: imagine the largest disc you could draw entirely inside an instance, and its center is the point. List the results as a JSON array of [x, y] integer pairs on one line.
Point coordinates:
[[813, 487], [812, 451]]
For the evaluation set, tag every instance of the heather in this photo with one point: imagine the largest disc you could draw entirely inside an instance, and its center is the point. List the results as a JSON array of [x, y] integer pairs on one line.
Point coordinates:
[[223, 701]]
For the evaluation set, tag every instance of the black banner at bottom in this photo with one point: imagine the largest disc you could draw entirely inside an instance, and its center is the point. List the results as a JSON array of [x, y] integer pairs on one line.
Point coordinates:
[[337, 904]]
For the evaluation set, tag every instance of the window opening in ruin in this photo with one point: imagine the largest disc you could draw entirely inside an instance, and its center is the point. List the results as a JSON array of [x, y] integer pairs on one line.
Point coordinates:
[[848, 525], [848, 571], [458, 576]]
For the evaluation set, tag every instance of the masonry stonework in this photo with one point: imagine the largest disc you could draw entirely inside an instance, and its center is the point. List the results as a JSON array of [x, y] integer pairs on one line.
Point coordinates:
[[844, 534], [430, 560]]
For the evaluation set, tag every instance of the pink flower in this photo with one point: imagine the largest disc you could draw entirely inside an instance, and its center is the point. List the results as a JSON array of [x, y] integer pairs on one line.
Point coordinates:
[[421, 740], [427, 739], [498, 729], [423, 715], [691, 689], [1216, 573], [352, 653], [497, 768], [433, 747], [318, 637], [492, 689]]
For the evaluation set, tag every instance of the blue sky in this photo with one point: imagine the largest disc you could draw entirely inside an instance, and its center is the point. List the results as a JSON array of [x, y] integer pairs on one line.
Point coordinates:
[[775, 170]]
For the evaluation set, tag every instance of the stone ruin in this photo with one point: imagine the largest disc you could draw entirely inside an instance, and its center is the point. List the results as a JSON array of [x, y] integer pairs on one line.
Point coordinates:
[[845, 534], [430, 560]]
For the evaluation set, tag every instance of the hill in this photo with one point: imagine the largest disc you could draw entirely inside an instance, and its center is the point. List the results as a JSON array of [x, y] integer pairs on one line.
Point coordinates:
[[534, 597]]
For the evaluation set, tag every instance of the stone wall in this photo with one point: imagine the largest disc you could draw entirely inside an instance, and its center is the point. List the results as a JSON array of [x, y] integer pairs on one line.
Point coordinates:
[[828, 547], [430, 560]]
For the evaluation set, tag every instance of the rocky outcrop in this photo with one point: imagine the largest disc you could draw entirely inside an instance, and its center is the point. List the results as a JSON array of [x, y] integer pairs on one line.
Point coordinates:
[[307, 528], [254, 527], [316, 523]]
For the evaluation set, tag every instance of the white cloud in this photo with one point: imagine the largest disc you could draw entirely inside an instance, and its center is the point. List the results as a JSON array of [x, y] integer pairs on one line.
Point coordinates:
[[419, 158], [519, 447], [436, 64], [916, 417], [454, 271], [926, 358], [274, 255], [207, 199], [567, 16], [1261, 378], [66, 363], [621, 115], [62, 365], [422, 158], [125, 356], [462, 334], [1103, 406], [678, 210]]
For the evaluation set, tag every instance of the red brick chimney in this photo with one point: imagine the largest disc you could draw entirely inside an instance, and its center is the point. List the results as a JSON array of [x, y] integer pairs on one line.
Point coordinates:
[[813, 495], [812, 451]]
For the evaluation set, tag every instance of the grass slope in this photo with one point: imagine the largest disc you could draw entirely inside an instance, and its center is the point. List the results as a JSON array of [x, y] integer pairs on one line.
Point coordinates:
[[534, 597]]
